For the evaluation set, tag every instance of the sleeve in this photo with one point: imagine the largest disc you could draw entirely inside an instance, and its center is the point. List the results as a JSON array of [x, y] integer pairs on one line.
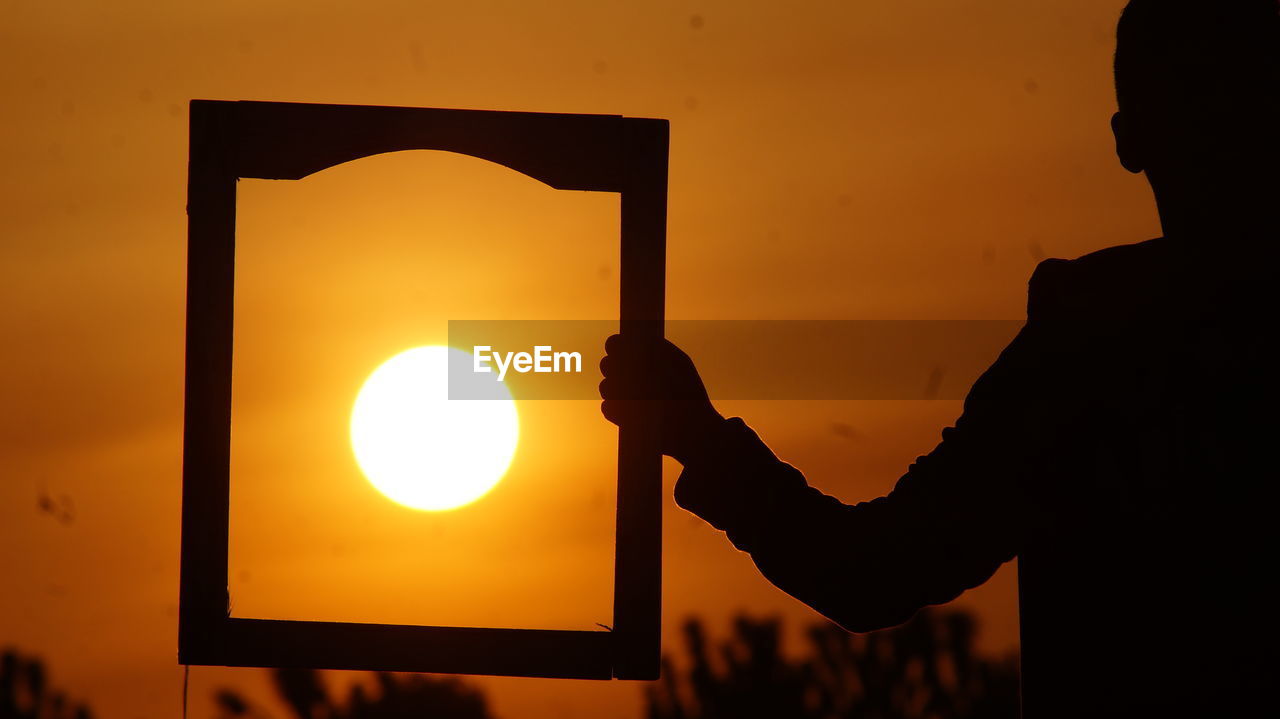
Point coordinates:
[[957, 514]]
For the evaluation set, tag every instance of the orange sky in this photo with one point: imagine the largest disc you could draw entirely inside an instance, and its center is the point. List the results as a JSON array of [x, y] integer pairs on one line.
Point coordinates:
[[876, 159]]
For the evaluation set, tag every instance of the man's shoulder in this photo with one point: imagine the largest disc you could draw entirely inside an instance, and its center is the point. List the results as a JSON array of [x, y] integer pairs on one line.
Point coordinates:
[[1108, 279], [1120, 261]]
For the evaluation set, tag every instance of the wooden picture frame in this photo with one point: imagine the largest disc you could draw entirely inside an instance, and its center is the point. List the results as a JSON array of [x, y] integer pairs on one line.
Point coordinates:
[[288, 141]]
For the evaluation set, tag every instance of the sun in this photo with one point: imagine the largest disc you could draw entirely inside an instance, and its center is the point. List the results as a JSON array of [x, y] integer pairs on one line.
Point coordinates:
[[422, 449]]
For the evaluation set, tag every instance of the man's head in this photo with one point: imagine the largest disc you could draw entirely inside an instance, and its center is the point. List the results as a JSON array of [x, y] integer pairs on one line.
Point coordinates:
[[1198, 86]]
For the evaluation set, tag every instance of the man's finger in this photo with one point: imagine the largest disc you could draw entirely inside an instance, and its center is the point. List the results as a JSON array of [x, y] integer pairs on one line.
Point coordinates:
[[613, 344], [612, 411], [634, 346]]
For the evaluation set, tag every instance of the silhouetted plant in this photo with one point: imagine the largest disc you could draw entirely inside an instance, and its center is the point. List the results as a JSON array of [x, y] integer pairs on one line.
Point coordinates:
[[397, 697], [25, 693], [926, 668]]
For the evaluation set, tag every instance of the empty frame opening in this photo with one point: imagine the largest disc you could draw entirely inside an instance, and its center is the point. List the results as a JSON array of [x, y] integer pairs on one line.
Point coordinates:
[[346, 269]]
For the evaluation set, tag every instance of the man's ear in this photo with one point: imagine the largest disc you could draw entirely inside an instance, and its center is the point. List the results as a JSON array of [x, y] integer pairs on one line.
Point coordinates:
[[1127, 145]]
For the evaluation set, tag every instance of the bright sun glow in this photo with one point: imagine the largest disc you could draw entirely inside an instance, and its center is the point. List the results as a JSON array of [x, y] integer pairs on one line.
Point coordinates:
[[422, 449]]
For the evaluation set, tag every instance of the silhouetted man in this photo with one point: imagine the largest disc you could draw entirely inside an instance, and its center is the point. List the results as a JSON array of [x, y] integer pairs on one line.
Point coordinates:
[[1119, 446]]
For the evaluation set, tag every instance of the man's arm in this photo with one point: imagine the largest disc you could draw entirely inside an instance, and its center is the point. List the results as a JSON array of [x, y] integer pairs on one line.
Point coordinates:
[[949, 523], [865, 566]]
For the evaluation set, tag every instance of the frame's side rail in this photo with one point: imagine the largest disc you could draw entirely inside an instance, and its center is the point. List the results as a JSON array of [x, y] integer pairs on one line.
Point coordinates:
[[637, 608], [211, 213]]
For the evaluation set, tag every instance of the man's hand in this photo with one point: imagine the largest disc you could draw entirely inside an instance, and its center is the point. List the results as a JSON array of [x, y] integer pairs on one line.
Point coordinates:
[[656, 370]]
